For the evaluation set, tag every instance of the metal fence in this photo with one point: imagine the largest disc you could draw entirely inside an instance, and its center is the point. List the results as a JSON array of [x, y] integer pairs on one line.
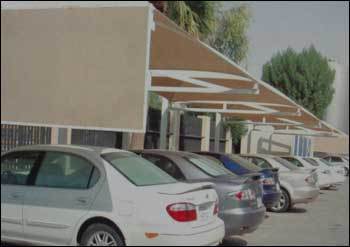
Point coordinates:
[[97, 138], [17, 135]]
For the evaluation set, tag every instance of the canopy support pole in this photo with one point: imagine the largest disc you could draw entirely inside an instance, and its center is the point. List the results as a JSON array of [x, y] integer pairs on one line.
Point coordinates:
[[175, 130], [217, 132], [205, 142], [164, 124]]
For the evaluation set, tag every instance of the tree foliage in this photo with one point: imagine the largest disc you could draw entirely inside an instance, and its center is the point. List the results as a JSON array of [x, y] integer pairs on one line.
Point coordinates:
[[230, 37], [237, 129], [306, 77], [196, 17]]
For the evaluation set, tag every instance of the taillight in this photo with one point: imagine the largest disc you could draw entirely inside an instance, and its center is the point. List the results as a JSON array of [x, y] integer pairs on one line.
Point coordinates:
[[182, 212], [310, 180], [244, 195], [216, 208]]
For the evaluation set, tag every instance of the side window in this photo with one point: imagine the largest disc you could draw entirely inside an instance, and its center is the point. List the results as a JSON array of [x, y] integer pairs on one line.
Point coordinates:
[[294, 161], [16, 168], [62, 170], [336, 159], [166, 165], [261, 163], [215, 159]]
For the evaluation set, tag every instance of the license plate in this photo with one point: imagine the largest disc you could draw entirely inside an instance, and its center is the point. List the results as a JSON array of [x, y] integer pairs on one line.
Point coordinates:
[[204, 215], [259, 202]]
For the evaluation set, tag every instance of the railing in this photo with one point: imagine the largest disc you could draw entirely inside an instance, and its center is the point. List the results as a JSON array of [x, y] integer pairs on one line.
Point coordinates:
[[17, 135]]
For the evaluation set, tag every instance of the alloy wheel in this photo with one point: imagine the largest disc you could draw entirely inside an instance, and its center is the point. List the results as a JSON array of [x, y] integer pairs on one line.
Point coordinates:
[[102, 239]]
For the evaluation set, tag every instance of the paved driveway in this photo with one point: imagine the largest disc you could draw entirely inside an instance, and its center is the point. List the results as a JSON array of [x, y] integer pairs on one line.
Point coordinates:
[[324, 222]]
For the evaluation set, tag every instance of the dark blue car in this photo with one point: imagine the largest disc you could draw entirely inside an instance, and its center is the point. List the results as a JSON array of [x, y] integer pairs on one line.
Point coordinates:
[[240, 166]]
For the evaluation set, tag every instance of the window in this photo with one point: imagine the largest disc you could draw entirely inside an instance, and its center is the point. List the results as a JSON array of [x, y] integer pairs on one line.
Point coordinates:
[[166, 165], [16, 168], [261, 163], [312, 161], [293, 161], [62, 170], [336, 159], [286, 164], [209, 166], [245, 163], [138, 171]]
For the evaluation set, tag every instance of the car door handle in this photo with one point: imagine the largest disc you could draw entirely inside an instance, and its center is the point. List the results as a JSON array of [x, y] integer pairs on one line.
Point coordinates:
[[15, 196], [82, 200]]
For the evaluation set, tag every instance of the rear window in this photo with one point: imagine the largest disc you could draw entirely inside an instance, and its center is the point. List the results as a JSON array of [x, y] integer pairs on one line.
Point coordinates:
[[311, 161], [209, 166], [137, 170], [245, 163], [286, 163]]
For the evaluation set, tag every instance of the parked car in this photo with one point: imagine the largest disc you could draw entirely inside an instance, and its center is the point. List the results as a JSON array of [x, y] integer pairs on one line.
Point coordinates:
[[335, 173], [338, 160], [240, 202], [297, 185], [324, 180], [240, 166], [90, 196]]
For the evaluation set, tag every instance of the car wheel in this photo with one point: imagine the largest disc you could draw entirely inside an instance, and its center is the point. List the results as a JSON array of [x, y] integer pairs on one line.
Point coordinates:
[[283, 204], [346, 171], [101, 235]]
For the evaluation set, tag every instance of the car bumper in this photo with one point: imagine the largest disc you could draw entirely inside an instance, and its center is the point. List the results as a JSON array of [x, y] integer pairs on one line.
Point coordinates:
[[209, 235], [305, 195], [270, 199], [239, 221]]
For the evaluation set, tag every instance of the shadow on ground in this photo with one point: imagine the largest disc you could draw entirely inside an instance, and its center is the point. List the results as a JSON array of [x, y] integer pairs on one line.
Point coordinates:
[[234, 241]]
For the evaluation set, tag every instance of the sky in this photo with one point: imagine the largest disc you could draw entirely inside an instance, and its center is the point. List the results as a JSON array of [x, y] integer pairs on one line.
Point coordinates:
[[277, 25]]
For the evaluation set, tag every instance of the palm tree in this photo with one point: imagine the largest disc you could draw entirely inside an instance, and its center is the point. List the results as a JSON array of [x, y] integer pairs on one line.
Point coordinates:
[[195, 17]]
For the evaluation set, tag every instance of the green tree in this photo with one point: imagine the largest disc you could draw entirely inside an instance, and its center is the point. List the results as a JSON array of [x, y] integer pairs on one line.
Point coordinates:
[[196, 17], [306, 77], [230, 36]]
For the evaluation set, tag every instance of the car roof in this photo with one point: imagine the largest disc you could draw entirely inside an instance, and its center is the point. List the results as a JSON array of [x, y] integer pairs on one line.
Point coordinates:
[[67, 148], [258, 155], [164, 152]]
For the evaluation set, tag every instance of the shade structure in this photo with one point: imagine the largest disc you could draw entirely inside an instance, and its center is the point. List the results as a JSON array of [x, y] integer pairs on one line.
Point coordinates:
[[75, 64], [190, 73]]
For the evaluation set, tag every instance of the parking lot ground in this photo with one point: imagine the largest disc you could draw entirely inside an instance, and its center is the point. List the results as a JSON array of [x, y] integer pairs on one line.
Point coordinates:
[[323, 222]]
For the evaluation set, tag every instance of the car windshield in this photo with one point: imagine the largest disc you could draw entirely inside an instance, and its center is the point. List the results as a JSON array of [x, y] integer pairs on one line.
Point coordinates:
[[311, 161], [137, 170], [209, 166], [326, 162], [245, 163], [286, 163]]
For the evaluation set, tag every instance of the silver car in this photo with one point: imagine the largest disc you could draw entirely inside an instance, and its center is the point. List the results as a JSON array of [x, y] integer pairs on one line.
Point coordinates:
[[240, 198], [297, 186]]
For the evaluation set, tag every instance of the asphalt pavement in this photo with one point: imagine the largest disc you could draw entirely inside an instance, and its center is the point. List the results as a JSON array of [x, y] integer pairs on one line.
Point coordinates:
[[323, 222]]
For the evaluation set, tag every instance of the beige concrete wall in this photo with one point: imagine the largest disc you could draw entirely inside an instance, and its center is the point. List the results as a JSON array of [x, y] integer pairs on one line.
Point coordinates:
[[82, 67], [263, 141], [331, 145]]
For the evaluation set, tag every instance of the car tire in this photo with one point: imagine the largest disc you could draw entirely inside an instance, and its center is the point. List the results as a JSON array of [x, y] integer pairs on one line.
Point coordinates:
[[283, 204], [346, 171], [101, 235]]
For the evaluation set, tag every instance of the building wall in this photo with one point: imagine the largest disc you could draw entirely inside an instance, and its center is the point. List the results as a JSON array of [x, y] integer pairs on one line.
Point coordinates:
[[262, 140], [338, 111], [331, 145]]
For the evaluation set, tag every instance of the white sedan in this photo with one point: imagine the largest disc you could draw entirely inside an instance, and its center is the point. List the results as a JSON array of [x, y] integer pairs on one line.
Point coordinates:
[[324, 178], [90, 196]]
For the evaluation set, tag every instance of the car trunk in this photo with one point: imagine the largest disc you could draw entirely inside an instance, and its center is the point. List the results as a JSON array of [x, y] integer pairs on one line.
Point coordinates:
[[202, 195]]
